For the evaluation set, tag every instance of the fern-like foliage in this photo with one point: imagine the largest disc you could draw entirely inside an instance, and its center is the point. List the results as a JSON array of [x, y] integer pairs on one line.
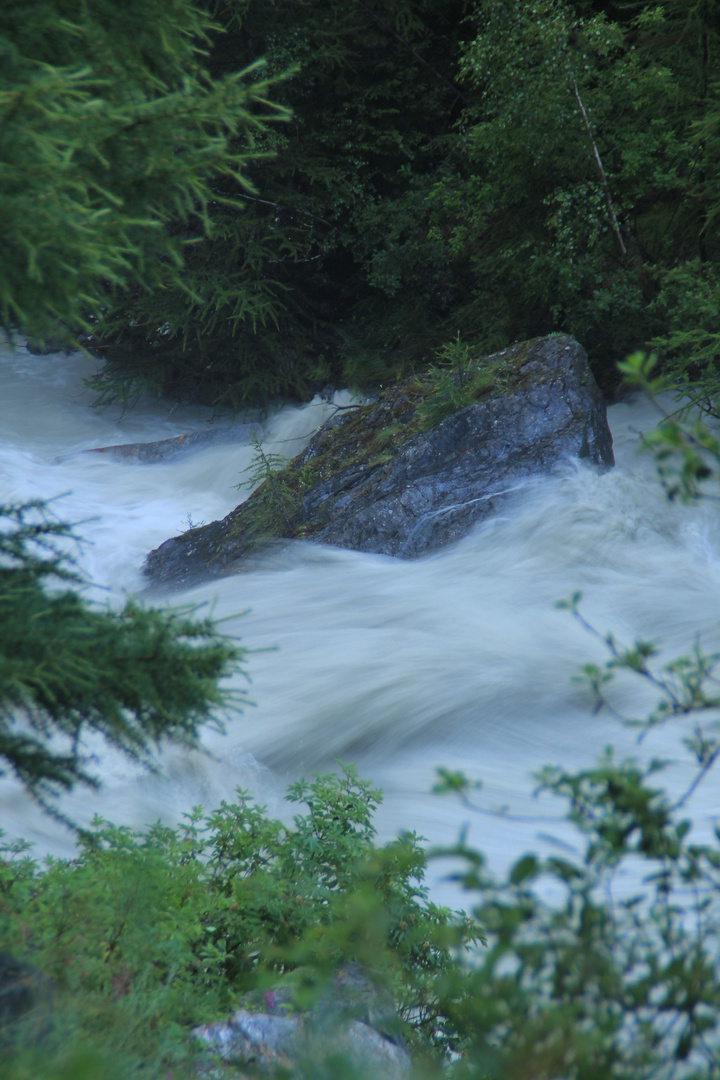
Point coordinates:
[[275, 503]]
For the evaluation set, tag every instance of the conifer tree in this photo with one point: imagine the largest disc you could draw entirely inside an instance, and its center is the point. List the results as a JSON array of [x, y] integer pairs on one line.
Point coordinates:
[[111, 131], [327, 272], [68, 668]]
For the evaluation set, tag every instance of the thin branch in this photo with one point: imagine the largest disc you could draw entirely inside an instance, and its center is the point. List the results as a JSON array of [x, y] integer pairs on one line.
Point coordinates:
[[344, 408], [309, 434], [505, 815], [660, 683], [678, 707], [601, 170], [286, 209], [698, 778]]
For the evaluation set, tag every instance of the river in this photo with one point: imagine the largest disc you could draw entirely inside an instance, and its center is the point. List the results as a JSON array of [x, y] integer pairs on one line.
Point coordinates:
[[460, 659]]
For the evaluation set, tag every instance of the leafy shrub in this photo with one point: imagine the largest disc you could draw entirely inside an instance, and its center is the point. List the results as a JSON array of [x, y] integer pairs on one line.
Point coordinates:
[[605, 979], [147, 934]]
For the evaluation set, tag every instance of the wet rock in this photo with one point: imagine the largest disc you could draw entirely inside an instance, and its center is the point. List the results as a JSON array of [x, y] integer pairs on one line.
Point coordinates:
[[344, 1022], [416, 469], [150, 452], [25, 1001]]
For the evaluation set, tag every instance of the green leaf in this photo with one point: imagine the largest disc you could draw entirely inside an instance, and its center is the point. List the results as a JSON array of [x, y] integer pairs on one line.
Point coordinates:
[[524, 869]]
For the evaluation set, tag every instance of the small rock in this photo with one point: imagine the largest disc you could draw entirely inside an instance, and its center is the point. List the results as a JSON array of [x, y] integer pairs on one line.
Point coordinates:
[[151, 452], [266, 1041], [351, 1018], [25, 1000]]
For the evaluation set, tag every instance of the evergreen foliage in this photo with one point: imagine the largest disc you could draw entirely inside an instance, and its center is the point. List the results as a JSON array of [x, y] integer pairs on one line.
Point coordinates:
[[276, 503], [112, 132], [137, 676], [458, 379], [327, 273], [502, 170]]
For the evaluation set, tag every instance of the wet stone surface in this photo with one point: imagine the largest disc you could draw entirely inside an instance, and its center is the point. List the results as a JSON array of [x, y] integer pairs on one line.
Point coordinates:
[[397, 477]]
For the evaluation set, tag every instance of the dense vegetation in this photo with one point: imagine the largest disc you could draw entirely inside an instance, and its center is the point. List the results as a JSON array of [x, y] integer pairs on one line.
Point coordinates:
[[500, 169], [327, 270], [112, 140], [146, 935]]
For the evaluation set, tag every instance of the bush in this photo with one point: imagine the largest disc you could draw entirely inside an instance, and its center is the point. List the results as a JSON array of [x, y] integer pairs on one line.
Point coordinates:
[[147, 934]]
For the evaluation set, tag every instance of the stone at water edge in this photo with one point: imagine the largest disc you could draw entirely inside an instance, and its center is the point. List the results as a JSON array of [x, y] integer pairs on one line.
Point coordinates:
[[270, 1042], [425, 488], [351, 1018], [162, 449]]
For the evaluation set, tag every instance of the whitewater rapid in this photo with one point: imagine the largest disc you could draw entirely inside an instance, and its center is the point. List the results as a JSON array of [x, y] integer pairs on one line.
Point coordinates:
[[460, 659]]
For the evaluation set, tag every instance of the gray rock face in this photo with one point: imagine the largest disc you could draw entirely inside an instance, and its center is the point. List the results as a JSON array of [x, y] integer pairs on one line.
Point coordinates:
[[266, 1041], [352, 1017], [150, 452], [378, 480], [443, 481]]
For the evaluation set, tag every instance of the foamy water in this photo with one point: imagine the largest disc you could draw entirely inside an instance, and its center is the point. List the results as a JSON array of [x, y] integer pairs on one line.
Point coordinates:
[[460, 659]]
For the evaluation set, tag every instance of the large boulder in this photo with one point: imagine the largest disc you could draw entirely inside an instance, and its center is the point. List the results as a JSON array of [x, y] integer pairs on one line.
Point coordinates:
[[417, 468]]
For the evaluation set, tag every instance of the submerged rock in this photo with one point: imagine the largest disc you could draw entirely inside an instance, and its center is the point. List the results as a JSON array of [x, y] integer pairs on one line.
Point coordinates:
[[161, 449], [416, 469]]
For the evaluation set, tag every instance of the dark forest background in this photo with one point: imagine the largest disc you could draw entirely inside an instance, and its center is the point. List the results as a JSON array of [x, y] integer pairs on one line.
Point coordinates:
[[499, 170], [496, 170]]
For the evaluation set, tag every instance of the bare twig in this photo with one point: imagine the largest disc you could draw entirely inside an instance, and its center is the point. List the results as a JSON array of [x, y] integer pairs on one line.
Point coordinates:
[[505, 815], [286, 209], [700, 776], [601, 171]]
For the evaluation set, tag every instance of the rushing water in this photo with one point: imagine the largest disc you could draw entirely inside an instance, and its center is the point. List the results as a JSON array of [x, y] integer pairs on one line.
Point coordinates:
[[460, 659]]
